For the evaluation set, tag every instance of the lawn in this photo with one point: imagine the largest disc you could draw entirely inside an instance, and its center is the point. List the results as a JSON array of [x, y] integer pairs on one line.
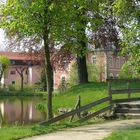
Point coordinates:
[[88, 92], [18, 132], [126, 134]]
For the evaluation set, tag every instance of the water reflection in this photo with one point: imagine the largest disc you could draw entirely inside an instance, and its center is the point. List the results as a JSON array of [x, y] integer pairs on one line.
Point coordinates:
[[21, 110]]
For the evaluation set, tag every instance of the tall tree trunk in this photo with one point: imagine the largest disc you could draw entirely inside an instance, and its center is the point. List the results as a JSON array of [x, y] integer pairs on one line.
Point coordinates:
[[82, 70], [81, 63], [81, 57], [49, 72]]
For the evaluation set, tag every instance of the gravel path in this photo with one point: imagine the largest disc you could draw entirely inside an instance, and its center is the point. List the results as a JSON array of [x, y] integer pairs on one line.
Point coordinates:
[[90, 132]]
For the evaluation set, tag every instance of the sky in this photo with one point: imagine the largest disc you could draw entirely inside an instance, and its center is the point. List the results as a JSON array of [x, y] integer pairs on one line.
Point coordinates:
[[2, 39]]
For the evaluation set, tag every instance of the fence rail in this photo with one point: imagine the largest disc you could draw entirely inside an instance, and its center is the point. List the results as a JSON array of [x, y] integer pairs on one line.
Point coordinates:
[[124, 80], [97, 113], [125, 91], [78, 110], [128, 91], [125, 100]]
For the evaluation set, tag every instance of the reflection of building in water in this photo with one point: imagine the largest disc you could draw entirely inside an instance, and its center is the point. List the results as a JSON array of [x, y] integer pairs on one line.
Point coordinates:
[[2, 109], [19, 110], [30, 111]]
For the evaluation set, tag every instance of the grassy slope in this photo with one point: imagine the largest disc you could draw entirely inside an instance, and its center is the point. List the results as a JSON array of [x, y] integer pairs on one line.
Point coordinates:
[[129, 134], [88, 92]]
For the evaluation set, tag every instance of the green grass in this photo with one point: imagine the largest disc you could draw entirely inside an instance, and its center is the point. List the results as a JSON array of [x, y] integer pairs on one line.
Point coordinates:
[[126, 134], [88, 92], [18, 132]]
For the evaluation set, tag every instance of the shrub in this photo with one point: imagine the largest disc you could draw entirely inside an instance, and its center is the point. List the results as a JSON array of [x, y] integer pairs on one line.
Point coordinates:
[[128, 71], [92, 74]]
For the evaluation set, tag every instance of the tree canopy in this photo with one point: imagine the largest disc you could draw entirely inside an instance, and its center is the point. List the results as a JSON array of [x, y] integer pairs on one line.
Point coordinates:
[[128, 14]]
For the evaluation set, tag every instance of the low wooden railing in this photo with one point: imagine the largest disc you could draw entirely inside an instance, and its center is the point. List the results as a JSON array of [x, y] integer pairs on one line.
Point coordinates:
[[128, 90], [79, 110]]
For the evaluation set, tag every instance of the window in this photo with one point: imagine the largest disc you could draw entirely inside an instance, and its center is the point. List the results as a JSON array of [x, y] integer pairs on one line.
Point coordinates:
[[94, 59], [117, 62], [63, 80], [12, 72], [111, 75], [110, 61], [13, 82], [12, 62]]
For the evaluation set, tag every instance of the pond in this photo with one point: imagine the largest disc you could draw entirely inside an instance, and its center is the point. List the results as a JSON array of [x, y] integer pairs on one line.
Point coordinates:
[[21, 110]]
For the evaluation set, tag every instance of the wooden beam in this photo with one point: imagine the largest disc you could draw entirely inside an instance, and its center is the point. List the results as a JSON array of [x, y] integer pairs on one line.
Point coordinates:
[[96, 113], [78, 110], [125, 100], [124, 80], [125, 91]]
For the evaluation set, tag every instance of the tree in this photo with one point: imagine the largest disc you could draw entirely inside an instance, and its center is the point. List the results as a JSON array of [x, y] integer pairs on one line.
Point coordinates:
[[4, 63], [20, 71], [128, 71], [75, 31], [128, 13], [37, 19]]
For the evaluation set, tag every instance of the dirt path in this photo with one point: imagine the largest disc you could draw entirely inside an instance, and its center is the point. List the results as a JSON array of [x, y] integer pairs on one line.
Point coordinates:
[[90, 132]]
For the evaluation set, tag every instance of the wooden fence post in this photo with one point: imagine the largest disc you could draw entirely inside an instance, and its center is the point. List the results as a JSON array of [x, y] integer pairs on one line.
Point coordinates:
[[128, 87], [109, 92], [78, 105]]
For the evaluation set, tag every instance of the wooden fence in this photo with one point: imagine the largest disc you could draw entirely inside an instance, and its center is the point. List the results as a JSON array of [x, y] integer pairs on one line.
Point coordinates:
[[79, 110], [128, 90]]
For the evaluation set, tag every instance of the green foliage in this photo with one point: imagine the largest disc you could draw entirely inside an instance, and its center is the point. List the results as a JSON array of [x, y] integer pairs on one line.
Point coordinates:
[[73, 76], [41, 107], [128, 14], [92, 74], [4, 63], [126, 134], [19, 132], [11, 88], [128, 71]]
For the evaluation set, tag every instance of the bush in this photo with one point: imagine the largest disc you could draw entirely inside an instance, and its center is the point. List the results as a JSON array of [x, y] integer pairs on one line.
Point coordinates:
[[11, 88], [92, 74], [128, 71]]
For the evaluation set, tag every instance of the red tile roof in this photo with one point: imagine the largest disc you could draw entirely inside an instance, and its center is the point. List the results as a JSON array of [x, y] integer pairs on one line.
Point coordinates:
[[17, 56]]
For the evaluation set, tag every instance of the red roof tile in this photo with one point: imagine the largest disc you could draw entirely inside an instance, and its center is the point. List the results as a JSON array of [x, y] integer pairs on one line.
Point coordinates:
[[17, 56]]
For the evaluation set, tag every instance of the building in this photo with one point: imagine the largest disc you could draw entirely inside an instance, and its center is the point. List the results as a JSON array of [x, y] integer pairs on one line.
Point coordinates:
[[108, 64], [21, 64]]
